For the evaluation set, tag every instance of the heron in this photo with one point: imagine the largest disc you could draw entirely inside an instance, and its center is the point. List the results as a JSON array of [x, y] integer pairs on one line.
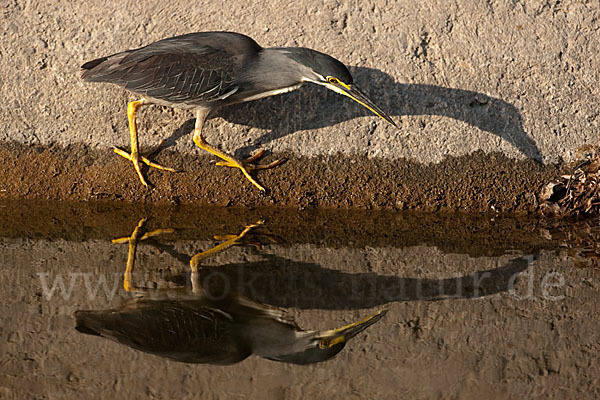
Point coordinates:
[[199, 327], [204, 71], [226, 331]]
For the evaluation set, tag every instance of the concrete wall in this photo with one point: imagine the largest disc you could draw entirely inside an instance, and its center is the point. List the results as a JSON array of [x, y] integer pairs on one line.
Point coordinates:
[[513, 79]]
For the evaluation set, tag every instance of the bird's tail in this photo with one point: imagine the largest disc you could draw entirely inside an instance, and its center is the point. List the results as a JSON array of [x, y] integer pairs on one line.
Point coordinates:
[[87, 322]]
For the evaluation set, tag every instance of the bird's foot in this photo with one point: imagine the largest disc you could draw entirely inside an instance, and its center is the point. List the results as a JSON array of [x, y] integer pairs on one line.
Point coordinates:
[[247, 228], [139, 233], [135, 158], [246, 165], [247, 162], [229, 241]]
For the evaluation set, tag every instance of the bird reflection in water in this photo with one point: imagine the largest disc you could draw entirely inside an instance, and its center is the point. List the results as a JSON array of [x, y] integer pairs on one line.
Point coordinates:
[[199, 328]]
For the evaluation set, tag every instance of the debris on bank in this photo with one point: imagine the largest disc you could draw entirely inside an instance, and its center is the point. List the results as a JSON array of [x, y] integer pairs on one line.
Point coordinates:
[[578, 194], [580, 240]]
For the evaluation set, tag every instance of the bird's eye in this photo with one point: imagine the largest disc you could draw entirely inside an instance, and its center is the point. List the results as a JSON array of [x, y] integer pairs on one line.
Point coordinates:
[[331, 79], [325, 343]]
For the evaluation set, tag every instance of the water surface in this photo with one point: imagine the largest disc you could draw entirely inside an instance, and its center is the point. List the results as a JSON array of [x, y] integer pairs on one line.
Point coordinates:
[[482, 306]]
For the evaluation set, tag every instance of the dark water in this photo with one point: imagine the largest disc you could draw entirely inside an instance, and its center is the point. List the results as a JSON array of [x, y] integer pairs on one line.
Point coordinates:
[[121, 301]]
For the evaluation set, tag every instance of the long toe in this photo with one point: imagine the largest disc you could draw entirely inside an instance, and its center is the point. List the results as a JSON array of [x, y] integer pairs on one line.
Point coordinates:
[[135, 159], [153, 164], [136, 165], [273, 164], [248, 162], [157, 166]]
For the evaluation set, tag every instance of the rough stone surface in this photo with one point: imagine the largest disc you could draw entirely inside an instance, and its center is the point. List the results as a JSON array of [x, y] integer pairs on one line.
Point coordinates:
[[513, 78]]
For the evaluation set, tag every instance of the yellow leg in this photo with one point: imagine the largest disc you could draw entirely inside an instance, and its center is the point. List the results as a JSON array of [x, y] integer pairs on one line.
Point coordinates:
[[134, 156], [138, 235], [230, 161], [231, 241], [133, 241]]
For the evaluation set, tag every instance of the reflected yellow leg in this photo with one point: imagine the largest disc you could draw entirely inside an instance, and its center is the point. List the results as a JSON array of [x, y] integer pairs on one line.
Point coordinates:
[[137, 236], [134, 156], [231, 241], [230, 161]]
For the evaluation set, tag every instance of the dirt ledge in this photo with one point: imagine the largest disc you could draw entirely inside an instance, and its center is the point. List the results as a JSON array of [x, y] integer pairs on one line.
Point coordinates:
[[477, 182]]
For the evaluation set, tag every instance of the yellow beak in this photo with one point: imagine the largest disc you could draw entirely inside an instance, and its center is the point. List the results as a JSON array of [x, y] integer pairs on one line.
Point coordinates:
[[345, 333], [355, 94]]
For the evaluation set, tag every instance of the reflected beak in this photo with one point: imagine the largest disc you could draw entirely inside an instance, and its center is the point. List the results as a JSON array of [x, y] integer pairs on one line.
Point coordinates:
[[345, 333], [355, 94]]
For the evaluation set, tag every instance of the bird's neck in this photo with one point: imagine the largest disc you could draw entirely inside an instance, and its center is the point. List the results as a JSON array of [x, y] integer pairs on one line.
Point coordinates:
[[272, 339], [275, 71], [276, 68]]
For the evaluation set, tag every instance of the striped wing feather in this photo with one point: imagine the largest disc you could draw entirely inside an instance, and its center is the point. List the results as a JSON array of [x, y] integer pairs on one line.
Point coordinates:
[[193, 69]]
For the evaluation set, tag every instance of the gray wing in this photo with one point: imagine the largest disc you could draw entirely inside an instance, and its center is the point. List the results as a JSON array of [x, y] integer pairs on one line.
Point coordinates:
[[179, 330], [196, 68]]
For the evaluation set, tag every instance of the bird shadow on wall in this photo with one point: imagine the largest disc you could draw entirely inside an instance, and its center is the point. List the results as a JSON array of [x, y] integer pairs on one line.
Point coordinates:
[[281, 282], [314, 107]]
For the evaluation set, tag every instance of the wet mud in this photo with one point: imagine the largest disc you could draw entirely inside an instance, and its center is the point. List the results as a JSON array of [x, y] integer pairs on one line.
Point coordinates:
[[476, 182]]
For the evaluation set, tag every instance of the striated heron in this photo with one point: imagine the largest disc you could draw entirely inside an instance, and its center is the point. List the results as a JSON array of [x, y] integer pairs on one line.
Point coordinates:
[[199, 327], [224, 331], [207, 70]]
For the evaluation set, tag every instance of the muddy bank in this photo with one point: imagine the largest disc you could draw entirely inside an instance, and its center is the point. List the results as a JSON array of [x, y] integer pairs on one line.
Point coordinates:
[[476, 183]]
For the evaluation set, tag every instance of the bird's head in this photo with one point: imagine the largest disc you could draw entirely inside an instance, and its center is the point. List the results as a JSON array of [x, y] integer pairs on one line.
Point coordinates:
[[326, 71], [317, 346]]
